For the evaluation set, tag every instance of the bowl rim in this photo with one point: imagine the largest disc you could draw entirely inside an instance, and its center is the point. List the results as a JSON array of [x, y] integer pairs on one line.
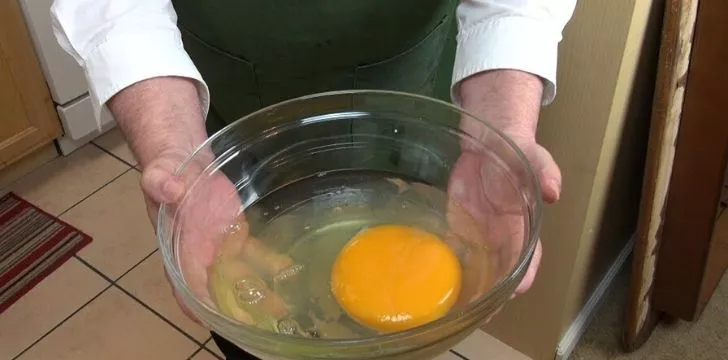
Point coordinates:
[[517, 272]]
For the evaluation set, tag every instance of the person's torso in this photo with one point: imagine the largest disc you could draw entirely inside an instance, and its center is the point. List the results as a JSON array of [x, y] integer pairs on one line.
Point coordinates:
[[254, 53], [311, 34]]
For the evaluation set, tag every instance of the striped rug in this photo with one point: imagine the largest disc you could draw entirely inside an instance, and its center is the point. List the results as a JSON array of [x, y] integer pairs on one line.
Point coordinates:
[[32, 245]]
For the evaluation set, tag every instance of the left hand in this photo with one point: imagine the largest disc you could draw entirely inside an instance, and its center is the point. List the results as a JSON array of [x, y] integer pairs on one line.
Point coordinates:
[[493, 204], [509, 100]]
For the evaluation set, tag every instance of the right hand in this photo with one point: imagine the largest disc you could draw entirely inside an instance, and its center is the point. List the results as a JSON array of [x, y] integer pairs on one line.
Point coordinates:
[[163, 122], [205, 213]]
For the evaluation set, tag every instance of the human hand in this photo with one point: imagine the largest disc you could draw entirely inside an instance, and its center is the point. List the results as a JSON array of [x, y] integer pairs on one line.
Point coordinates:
[[486, 208], [204, 214], [162, 121], [510, 100]]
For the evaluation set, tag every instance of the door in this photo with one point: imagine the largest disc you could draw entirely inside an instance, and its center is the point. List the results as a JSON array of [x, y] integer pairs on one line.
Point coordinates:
[[28, 119], [693, 256], [682, 248]]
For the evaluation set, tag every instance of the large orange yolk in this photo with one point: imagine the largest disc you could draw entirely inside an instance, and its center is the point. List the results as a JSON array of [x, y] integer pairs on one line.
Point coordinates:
[[393, 278]]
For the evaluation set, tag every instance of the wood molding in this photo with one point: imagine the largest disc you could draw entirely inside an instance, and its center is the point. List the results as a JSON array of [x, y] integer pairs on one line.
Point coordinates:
[[675, 50], [686, 272]]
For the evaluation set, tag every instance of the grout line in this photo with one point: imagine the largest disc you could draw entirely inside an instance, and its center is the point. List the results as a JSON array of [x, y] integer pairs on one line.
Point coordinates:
[[214, 354], [103, 276], [98, 272], [458, 354], [62, 322], [195, 353], [92, 193], [142, 303], [211, 340], [111, 154], [155, 312], [113, 283], [133, 166], [135, 265]]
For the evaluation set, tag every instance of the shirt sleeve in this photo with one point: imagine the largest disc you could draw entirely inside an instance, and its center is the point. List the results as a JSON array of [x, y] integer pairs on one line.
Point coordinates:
[[121, 42], [510, 34]]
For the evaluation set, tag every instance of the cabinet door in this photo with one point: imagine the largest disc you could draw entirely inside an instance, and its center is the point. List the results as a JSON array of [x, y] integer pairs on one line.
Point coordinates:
[[27, 116]]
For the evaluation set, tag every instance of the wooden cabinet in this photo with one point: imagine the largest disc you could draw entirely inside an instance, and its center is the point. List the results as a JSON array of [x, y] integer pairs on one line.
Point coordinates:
[[28, 119]]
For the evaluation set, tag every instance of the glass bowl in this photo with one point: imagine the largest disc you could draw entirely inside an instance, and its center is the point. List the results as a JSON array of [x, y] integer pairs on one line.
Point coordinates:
[[394, 158]]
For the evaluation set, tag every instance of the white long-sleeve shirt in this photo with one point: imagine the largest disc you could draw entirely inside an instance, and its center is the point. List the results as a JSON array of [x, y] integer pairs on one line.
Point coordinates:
[[121, 42]]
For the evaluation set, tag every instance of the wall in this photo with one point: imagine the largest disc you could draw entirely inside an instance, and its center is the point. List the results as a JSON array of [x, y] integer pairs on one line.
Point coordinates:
[[597, 132], [613, 210]]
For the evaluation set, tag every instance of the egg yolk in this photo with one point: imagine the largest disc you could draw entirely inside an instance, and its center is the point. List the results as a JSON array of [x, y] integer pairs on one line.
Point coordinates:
[[393, 278]]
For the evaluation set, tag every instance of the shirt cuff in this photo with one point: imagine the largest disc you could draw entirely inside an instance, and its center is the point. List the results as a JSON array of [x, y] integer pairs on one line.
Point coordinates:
[[123, 60], [515, 43]]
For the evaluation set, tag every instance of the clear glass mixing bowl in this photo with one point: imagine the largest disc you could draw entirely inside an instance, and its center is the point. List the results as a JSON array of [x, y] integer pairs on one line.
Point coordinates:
[[380, 134]]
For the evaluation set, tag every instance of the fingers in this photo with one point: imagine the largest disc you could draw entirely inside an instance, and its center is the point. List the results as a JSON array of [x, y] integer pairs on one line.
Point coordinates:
[[531, 272], [180, 303], [161, 185], [547, 171], [186, 310]]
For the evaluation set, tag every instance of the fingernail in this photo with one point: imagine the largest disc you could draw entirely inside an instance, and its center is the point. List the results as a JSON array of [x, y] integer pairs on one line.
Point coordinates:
[[172, 191]]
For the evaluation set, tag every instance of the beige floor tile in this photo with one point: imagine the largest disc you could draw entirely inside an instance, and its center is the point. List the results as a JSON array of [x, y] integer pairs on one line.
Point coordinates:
[[116, 218], [480, 346], [46, 305], [26, 165], [204, 355], [113, 141], [113, 326], [210, 345], [148, 283], [63, 182]]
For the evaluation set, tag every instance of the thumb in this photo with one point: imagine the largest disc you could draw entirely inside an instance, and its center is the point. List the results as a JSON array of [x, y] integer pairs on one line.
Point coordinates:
[[546, 169], [160, 185]]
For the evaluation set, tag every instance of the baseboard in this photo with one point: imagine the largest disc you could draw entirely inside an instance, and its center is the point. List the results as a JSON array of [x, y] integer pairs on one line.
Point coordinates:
[[583, 319], [67, 145]]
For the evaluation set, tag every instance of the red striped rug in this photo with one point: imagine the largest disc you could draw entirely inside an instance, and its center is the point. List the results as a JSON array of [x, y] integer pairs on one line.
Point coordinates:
[[33, 244]]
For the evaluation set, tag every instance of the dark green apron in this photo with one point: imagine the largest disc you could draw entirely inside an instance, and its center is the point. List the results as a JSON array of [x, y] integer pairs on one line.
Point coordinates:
[[256, 53]]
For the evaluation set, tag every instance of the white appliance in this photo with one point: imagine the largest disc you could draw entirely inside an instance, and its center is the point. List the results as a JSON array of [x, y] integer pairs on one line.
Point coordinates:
[[65, 79]]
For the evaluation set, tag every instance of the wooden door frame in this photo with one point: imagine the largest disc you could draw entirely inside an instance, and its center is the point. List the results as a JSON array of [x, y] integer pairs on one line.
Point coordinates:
[[683, 280], [675, 48]]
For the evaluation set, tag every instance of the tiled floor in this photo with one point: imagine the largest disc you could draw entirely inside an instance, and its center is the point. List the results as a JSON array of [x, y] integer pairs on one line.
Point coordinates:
[[112, 300]]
